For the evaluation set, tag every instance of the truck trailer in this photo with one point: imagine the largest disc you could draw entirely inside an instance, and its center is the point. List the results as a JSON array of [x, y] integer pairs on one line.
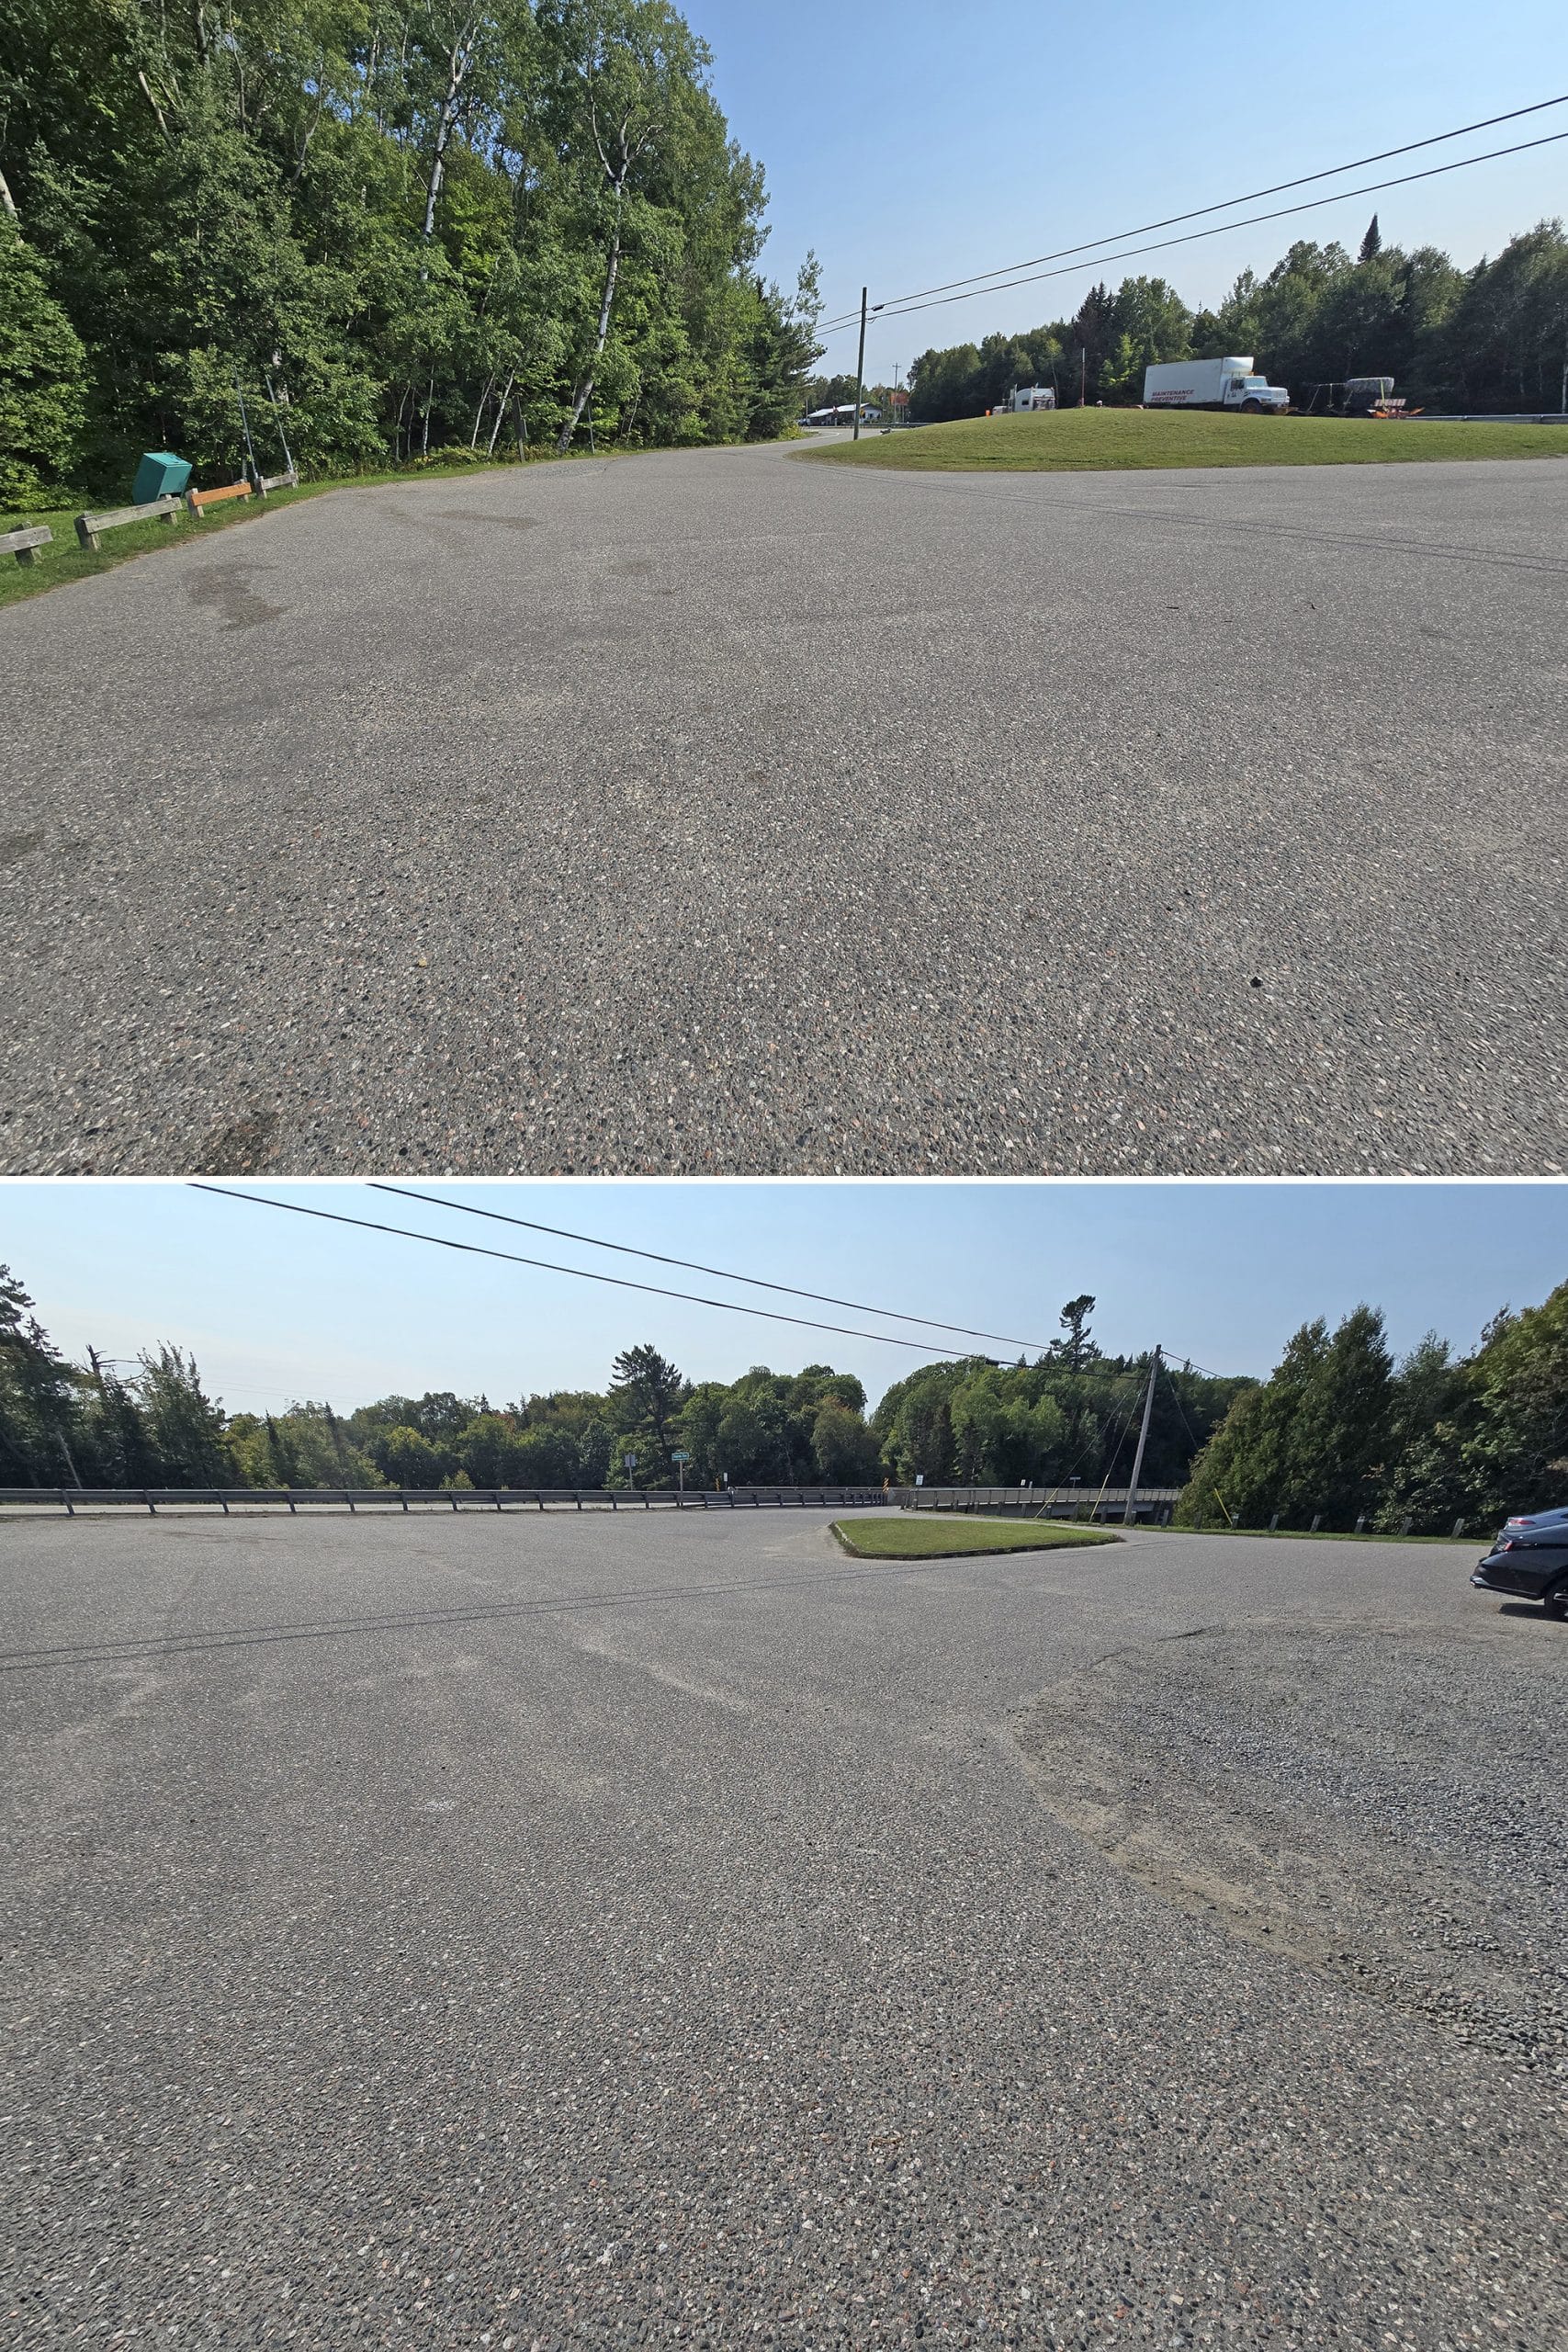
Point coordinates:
[[1213, 383]]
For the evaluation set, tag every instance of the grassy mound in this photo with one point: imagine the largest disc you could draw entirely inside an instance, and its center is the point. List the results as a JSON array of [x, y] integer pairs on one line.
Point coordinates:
[[1107, 440], [945, 1535]]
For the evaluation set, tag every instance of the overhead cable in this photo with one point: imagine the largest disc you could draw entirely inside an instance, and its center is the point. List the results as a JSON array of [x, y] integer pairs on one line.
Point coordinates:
[[693, 1266], [1313, 204], [617, 1281], [1253, 195]]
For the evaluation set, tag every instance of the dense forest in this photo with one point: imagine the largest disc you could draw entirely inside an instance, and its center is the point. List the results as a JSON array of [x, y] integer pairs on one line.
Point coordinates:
[[404, 228], [1340, 1429], [1072, 1414], [1493, 338]]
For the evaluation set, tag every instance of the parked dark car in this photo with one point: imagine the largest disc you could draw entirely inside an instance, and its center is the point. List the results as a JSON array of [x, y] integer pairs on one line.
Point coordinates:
[[1530, 1559]]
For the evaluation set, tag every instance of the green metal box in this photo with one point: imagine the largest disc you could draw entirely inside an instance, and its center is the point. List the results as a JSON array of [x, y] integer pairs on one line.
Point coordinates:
[[159, 475]]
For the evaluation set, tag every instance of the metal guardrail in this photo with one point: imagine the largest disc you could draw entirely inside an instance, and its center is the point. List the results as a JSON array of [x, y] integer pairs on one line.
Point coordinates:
[[1155, 1503], [71, 1500], [1491, 416]]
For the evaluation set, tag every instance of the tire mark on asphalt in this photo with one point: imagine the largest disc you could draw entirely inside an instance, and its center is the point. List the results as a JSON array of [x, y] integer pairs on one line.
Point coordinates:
[[247, 1637]]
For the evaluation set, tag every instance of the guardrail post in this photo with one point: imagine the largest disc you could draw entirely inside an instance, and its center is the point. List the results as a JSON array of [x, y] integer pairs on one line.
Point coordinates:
[[647, 1500], [403, 1498], [577, 1497], [497, 1497], [150, 1503], [348, 1499], [70, 1506], [222, 1498]]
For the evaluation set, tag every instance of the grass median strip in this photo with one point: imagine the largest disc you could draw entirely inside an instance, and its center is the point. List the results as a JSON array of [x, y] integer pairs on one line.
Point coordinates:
[[1111, 440], [944, 1535]]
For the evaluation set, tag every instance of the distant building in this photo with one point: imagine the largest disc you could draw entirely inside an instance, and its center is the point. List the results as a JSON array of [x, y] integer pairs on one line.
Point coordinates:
[[843, 415]]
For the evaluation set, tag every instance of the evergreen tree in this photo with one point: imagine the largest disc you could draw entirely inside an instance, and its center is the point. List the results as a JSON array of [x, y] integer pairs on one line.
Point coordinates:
[[184, 1425], [1074, 1318], [648, 1391], [39, 1393]]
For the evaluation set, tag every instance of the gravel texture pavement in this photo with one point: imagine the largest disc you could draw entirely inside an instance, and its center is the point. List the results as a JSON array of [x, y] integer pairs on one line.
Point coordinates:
[[717, 811], [605, 1932]]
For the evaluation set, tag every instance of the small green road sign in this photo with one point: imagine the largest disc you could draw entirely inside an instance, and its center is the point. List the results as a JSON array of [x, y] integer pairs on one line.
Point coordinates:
[[678, 1457], [628, 1461]]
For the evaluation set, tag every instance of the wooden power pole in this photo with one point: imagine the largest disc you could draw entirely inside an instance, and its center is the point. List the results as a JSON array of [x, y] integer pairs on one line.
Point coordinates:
[[1143, 1440]]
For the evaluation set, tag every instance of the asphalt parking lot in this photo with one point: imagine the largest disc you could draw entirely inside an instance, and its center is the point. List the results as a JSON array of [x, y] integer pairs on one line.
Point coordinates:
[[566, 1932], [718, 812]]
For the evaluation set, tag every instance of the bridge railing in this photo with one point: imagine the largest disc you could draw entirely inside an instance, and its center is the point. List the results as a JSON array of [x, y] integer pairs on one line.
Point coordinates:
[[1155, 1503], [152, 1499]]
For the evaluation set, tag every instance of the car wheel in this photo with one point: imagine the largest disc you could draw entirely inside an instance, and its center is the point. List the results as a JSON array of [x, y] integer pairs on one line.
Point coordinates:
[[1556, 1603]]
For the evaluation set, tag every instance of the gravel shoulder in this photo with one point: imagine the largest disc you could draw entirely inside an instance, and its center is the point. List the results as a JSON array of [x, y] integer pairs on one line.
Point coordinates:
[[1380, 1804]]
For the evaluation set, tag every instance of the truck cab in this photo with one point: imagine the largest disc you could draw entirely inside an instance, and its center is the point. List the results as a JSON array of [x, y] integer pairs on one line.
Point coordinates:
[[1254, 392]]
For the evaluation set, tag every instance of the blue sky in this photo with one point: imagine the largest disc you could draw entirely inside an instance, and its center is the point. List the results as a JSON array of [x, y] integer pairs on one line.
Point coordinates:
[[275, 1305], [915, 143]]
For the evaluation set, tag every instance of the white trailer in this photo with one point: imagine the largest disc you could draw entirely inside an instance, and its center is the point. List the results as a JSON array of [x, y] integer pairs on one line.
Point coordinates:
[[1213, 383], [1031, 397]]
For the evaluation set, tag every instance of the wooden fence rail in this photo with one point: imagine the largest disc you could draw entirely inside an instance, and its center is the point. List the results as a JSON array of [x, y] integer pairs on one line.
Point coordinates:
[[23, 545], [89, 526]]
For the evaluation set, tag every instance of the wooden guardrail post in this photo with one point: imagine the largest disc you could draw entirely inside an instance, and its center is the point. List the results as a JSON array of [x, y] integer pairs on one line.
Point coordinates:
[[25, 545], [89, 526]]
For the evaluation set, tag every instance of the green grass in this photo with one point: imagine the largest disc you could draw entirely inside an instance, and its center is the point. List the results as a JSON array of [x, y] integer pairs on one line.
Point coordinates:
[[1101, 440], [65, 561], [944, 1535]]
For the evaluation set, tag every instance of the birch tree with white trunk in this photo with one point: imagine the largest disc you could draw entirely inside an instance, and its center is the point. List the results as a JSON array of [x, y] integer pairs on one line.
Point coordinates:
[[632, 60]]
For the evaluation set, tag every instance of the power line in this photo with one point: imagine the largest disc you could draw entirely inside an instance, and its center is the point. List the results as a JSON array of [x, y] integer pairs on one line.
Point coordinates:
[[1188, 1365], [693, 1266], [1372, 187], [1191, 1434], [618, 1282], [1332, 171]]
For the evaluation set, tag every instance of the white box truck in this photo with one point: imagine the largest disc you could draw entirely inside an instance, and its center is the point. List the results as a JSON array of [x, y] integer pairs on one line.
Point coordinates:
[[1032, 396], [1213, 383]]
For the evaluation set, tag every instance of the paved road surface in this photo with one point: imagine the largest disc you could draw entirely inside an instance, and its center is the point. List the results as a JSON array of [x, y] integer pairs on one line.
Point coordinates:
[[594, 1932], [716, 812]]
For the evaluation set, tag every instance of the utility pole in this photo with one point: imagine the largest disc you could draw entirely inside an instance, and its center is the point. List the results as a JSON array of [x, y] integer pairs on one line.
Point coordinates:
[[1143, 1440], [860, 363], [1083, 373]]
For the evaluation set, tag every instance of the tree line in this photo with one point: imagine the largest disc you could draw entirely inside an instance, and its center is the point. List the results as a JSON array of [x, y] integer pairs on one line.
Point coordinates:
[[1491, 338], [1341, 1431], [1070, 1416], [404, 228]]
